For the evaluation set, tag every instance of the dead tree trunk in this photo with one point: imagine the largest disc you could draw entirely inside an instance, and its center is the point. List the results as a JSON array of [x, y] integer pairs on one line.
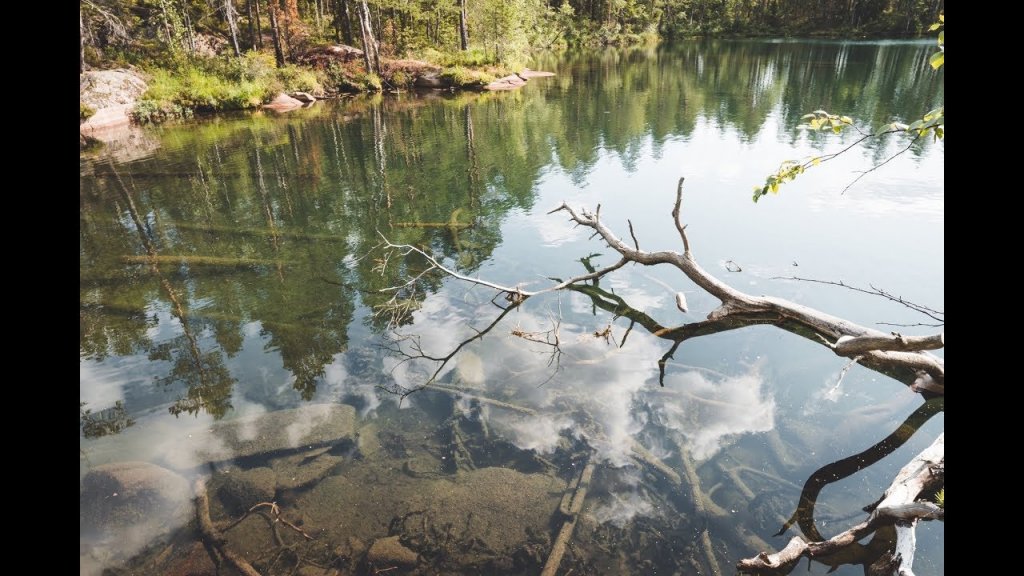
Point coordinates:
[[342, 23], [230, 18], [81, 42], [371, 54]]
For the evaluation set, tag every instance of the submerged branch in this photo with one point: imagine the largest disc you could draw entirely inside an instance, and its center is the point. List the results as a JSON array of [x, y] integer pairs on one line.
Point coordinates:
[[898, 506]]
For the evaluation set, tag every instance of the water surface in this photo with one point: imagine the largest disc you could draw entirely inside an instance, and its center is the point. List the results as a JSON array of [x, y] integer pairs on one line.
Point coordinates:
[[231, 268]]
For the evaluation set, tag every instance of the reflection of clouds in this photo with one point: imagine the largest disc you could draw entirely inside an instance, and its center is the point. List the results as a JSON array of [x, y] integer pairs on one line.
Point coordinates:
[[641, 299], [594, 391], [540, 433], [707, 411], [622, 508], [312, 416], [886, 199], [554, 232], [606, 394], [100, 385], [338, 383]]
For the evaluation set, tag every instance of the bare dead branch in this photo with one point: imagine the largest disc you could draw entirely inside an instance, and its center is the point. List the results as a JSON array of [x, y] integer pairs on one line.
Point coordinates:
[[275, 511], [914, 479], [636, 243], [850, 345], [936, 315], [903, 358], [441, 361], [210, 534], [676, 216], [846, 467]]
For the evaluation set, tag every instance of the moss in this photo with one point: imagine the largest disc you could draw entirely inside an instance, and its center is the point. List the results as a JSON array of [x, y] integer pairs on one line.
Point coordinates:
[[84, 112]]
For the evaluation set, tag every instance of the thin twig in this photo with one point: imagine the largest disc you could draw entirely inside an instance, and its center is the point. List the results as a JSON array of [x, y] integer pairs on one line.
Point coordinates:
[[929, 312], [879, 165], [636, 243], [275, 510]]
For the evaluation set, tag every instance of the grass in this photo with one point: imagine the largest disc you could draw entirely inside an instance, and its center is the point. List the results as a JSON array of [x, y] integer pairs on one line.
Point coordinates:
[[85, 112], [215, 84], [462, 77]]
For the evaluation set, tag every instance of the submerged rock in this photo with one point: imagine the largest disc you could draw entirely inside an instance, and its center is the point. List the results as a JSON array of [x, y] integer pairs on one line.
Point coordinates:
[[390, 552], [240, 490], [304, 97], [127, 506], [479, 517], [274, 433], [129, 493]]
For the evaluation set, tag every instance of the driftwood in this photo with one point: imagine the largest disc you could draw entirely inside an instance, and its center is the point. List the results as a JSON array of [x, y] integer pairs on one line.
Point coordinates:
[[899, 506], [199, 260], [905, 358], [570, 508], [212, 537]]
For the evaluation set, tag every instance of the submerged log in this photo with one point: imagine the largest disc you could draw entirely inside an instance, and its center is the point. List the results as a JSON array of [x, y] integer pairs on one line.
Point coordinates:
[[581, 485]]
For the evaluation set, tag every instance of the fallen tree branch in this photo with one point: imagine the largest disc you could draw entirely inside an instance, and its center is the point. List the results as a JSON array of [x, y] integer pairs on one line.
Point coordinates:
[[904, 358], [898, 506], [888, 358], [846, 467], [212, 537]]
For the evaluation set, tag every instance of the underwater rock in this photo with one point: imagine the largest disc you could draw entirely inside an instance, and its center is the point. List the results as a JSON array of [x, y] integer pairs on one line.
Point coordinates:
[[240, 490], [305, 428], [390, 552], [128, 493], [127, 506]]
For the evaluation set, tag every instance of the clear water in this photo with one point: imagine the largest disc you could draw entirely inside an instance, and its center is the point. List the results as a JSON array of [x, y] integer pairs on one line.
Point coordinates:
[[231, 268]]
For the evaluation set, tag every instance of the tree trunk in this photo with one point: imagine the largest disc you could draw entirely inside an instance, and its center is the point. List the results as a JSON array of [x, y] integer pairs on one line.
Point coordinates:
[[229, 17], [371, 56], [81, 42], [275, 32], [463, 26], [190, 37], [343, 23], [258, 40]]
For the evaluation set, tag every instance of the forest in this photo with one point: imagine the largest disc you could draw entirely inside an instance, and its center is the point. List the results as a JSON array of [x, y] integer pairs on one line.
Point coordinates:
[[206, 55]]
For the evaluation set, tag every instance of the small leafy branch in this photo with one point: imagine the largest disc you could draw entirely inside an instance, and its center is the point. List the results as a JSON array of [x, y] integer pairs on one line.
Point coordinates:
[[932, 123]]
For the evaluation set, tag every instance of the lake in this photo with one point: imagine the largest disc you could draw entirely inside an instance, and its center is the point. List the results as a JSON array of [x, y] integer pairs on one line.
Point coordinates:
[[245, 332]]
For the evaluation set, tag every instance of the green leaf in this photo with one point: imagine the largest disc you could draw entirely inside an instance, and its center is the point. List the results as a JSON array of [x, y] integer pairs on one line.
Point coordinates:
[[937, 60], [934, 27]]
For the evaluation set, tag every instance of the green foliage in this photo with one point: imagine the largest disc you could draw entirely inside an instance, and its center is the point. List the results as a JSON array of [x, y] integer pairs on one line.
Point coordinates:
[[466, 78], [932, 123], [216, 84], [84, 112], [940, 498], [822, 120], [939, 58]]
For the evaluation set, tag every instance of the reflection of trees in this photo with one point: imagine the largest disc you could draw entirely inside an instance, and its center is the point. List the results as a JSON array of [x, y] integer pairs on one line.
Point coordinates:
[[109, 421], [302, 197], [207, 380]]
